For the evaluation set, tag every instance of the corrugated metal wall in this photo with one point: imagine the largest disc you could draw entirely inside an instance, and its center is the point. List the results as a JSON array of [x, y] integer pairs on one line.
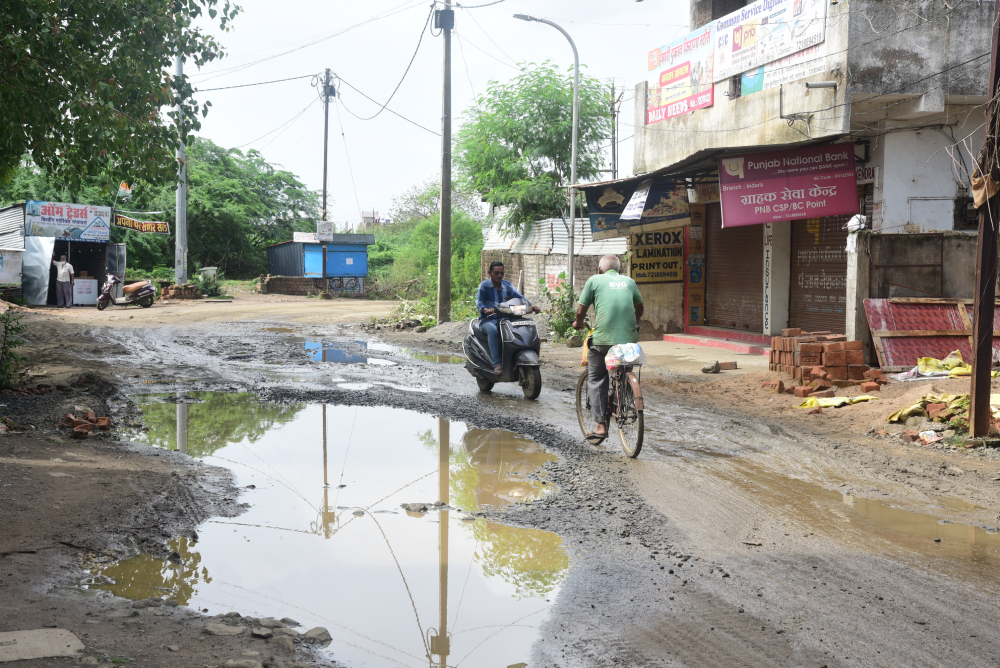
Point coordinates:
[[734, 273], [285, 259], [12, 227]]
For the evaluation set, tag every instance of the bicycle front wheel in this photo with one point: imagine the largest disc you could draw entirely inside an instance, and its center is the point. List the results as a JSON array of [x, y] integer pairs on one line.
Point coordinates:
[[629, 418], [583, 412]]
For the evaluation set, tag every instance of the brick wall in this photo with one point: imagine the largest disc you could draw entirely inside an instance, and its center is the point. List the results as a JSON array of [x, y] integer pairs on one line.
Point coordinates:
[[291, 285]]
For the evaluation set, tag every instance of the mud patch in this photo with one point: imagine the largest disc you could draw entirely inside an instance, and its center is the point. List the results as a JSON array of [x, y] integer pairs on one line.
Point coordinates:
[[325, 540]]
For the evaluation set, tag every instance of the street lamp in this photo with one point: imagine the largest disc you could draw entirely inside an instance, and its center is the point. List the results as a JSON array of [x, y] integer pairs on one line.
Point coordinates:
[[576, 123]]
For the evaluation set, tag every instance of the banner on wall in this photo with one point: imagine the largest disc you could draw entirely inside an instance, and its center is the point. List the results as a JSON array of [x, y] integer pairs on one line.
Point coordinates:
[[605, 205], [74, 222], [788, 185], [766, 31], [681, 76], [144, 226], [805, 63], [657, 257]]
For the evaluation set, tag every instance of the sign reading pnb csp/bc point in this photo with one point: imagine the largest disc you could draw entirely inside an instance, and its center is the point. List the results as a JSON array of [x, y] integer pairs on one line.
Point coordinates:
[[788, 185], [658, 257]]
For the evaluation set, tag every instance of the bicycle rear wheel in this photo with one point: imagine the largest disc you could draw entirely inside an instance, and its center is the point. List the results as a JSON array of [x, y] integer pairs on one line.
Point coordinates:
[[629, 418], [583, 412]]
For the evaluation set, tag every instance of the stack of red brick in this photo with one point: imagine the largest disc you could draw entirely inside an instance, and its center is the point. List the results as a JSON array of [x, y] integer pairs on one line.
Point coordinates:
[[807, 356], [82, 427]]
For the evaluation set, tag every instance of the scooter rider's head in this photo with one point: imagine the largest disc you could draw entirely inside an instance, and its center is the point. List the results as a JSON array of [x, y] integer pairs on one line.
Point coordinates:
[[496, 272]]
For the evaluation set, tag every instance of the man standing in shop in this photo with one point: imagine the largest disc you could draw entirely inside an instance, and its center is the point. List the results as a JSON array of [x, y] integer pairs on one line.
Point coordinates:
[[64, 281]]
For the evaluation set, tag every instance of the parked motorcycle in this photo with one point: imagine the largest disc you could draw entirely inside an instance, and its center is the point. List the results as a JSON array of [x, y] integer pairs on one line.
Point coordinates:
[[519, 348], [142, 293]]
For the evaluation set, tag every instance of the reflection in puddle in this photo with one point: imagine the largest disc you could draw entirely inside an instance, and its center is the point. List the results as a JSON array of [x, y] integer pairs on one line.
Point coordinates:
[[413, 354], [324, 351], [861, 520], [479, 590]]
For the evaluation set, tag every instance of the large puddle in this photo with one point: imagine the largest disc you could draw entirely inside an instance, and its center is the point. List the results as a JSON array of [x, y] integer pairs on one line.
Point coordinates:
[[326, 542]]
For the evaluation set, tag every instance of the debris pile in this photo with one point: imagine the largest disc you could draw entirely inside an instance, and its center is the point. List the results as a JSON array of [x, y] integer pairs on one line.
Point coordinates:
[[821, 362], [82, 427]]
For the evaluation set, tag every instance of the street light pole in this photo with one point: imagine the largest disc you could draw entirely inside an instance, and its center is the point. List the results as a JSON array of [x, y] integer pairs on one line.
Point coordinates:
[[576, 123]]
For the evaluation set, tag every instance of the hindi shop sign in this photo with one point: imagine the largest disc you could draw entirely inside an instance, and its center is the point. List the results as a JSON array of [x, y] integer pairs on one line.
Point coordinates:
[[73, 222], [657, 257], [144, 226], [681, 76], [765, 31], [788, 185]]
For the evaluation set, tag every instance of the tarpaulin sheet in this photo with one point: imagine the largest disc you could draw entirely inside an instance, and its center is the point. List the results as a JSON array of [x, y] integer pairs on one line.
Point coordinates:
[[906, 351]]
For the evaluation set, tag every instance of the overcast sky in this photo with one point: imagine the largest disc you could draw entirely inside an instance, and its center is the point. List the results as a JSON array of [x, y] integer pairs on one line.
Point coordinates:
[[388, 154]]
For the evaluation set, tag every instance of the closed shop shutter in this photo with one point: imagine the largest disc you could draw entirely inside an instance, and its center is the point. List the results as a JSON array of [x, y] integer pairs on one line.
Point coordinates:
[[818, 286], [734, 273]]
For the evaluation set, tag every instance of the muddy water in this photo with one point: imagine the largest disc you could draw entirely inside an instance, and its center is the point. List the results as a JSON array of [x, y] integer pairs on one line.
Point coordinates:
[[326, 542], [870, 524]]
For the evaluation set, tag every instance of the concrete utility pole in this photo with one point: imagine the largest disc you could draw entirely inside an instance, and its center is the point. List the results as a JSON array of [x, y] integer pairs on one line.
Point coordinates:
[[444, 20], [180, 220], [326, 131], [986, 267], [576, 123]]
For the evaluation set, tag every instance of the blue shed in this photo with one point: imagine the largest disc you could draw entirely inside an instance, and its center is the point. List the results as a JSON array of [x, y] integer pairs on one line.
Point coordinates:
[[343, 261]]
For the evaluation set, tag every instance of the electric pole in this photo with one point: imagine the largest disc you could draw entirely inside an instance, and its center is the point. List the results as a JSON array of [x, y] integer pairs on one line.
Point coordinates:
[[180, 220], [986, 265], [614, 136], [444, 20], [326, 131]]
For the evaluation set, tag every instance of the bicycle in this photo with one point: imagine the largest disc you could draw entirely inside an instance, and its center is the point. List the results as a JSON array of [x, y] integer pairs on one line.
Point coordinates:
[[624, 405]]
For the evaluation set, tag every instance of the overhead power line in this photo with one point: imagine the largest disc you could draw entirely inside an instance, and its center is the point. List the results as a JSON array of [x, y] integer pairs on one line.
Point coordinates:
[[349, 85], [259, 83]]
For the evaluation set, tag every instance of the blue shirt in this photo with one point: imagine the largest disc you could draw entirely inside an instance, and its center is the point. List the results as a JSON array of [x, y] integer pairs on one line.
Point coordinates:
[[488, 296]]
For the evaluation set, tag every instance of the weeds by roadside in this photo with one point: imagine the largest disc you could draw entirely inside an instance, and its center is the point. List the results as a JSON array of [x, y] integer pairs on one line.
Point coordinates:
[[562, 307]]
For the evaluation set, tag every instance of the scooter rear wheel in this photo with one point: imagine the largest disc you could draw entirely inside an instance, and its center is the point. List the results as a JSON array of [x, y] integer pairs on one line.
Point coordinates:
[[146, 303], [102, 305]]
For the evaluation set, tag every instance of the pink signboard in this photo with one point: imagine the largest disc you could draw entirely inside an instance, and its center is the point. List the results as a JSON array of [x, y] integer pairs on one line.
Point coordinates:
[[788, 185]]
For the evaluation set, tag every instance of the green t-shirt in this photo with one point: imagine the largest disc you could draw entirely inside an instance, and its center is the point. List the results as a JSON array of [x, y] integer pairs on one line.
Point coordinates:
[[614, 298]]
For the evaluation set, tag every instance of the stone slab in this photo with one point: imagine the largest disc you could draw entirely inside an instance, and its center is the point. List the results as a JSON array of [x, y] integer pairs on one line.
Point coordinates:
[[38, 644]]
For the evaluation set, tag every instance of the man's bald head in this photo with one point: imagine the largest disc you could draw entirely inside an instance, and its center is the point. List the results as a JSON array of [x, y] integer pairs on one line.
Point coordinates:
[[609, 263]]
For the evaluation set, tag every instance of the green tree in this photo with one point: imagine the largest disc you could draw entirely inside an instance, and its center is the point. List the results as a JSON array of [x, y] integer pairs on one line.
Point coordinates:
[[237, 205], [514, 146], [83, 83]]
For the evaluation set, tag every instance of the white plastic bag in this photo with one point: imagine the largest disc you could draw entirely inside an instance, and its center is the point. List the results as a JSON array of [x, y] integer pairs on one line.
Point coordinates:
[[629, 354]]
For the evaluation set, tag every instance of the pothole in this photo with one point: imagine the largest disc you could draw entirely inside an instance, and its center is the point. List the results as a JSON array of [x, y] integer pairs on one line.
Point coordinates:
[[325, 539]]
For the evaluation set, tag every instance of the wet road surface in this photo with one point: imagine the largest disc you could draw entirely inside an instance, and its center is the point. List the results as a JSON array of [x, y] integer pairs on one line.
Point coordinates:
[[730, 541]]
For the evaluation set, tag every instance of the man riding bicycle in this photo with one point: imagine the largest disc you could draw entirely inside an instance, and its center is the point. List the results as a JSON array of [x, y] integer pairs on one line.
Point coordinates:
[[618, 307], [494, 290]]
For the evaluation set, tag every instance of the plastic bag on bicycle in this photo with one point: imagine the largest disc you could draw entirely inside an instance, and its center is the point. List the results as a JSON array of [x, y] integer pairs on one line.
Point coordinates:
[[629, 354]]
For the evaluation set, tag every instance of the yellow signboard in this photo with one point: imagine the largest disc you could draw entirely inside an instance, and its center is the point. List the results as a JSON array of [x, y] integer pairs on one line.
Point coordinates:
[[657, 257]]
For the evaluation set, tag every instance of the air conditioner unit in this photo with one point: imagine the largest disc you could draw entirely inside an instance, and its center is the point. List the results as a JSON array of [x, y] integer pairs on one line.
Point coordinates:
[[966, 214]]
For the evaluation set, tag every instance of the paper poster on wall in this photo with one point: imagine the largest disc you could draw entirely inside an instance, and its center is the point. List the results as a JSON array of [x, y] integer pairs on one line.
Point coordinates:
[[680, 76], [657, 257], [10, 267], [805, 63], [325, 230], [305, 237], [694, 268], [764, 32], [75, 222]]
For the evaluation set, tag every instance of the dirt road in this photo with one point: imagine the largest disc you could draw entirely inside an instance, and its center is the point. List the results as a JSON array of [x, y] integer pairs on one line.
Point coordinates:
[[738, 537]]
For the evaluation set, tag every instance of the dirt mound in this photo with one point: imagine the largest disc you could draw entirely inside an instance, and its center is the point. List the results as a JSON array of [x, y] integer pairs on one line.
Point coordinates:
[[449, 331]]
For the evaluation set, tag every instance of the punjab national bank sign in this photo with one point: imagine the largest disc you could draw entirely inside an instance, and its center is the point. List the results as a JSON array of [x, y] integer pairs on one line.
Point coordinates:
[[788, 185]]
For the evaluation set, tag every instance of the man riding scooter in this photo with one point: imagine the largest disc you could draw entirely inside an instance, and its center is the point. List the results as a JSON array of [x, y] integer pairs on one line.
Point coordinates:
[[495, 290]]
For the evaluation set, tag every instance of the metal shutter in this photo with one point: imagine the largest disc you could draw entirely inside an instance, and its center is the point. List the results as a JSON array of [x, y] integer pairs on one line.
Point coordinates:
[[734, 273], [818, 287]]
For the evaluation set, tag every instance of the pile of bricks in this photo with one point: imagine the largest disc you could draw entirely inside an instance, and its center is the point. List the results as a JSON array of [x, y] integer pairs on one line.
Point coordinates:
[[186, 291], [82, 427], [822, 356]]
